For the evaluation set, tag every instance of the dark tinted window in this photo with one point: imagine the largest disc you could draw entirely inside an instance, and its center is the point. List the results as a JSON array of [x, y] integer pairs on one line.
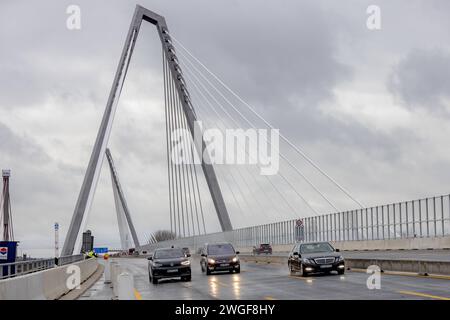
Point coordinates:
[[168, 253], [219, 249], [316, 247]]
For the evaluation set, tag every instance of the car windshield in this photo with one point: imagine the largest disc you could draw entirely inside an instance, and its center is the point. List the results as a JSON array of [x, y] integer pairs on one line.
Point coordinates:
[[168, 254], [265, 245], [220, 249], [316, 247]]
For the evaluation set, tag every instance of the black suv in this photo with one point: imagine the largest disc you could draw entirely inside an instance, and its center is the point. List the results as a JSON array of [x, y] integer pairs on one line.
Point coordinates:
[[169, 263], [219, 257], [314, 257]]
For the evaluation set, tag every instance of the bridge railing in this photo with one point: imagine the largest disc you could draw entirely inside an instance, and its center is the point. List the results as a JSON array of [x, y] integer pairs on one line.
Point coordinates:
[[429, 217], [20, 268], [64, 260]]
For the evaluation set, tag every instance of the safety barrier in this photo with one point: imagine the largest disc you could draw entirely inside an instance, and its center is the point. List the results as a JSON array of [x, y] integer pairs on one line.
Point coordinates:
[[417, 219], [20, 268], [397, 265], [47, 284], [62, 261]]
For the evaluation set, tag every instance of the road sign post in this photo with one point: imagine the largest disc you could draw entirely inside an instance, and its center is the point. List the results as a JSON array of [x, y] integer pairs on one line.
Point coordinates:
[[299, 230]]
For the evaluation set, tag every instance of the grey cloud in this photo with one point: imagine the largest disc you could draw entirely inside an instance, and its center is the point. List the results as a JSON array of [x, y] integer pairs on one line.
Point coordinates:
[[422, 79]]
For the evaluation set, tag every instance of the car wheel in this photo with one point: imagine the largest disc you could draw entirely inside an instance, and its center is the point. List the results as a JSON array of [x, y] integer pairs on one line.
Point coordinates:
[[303, 273], [341, 271], [187, 278], [238, 270], [154, 280], [208, 272]]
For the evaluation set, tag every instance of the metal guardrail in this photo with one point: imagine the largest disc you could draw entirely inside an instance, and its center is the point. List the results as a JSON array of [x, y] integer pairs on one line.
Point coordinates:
[[429, 217], [64, 260], [19, 268], [8, 270]]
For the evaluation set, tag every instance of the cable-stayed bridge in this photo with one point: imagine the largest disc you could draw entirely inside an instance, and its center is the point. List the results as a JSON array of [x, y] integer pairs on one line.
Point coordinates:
[[205, 122]]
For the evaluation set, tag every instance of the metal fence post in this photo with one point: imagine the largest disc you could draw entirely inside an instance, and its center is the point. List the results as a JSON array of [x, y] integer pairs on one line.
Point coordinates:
[[434, 217]]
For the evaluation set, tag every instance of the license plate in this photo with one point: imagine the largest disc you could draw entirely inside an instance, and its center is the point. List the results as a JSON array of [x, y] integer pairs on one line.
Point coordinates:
[[172, 270], [326, 266], [224, 264]]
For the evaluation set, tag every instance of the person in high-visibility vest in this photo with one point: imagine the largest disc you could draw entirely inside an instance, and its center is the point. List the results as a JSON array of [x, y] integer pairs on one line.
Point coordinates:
[[91, 254]]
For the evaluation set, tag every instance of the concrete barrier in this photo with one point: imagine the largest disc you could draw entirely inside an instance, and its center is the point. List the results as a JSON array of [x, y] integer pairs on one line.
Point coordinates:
[[414, 266], [45, 285], [391, 244]]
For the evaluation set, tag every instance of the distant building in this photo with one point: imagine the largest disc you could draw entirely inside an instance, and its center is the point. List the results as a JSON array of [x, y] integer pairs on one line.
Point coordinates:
[[88, 242]]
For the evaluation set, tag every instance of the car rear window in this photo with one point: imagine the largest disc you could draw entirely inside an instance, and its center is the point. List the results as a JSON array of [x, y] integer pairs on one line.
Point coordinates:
[[316, 247], [220, 249], [168, 253]]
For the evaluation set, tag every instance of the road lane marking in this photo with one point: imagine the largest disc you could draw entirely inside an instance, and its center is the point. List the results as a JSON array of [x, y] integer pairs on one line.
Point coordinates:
[[407, 274], [413, 293], [269, 298], [309, 279], [137, 295]]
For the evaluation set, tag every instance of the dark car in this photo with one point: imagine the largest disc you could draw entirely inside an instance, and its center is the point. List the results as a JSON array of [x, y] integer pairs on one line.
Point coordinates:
[[306, 258], [186, 251], [262, 248], [169, 263], [219, 257]]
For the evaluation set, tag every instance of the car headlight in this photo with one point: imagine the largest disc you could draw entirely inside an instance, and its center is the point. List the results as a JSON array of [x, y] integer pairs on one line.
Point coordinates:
[[235, 259], [157, 265], [309, 261], [340, 258], [211, 261], [185, 263]]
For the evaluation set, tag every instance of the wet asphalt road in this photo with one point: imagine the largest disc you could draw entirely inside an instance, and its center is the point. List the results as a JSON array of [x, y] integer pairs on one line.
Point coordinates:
[[272, 282]]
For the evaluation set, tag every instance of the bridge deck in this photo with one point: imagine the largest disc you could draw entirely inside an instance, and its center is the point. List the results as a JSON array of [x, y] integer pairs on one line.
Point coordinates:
[[272, 281]]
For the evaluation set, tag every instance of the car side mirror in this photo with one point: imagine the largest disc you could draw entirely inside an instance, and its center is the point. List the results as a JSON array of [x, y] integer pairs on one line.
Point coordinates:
[[237, 252], [337, 250], [150, 258]]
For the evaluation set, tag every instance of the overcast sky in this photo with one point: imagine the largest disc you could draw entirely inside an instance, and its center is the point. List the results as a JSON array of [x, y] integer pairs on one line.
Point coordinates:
[[370, 106]]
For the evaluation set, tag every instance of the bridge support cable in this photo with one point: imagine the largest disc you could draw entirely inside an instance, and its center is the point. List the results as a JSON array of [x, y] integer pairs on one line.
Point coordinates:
[[184, 165], [174, 153], [222, 107], [311, 184], [222, 127], [289, 207], [168, 147], [285, 139], [193, 173], [218, 116], [251, 191]]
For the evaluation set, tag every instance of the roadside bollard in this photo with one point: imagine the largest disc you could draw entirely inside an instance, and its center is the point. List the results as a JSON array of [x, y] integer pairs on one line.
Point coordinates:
[[125, 286], [107, 264]]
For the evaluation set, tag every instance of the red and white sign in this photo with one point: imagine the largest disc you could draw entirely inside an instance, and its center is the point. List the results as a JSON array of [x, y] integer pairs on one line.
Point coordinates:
[[299, 222], [3, 253]]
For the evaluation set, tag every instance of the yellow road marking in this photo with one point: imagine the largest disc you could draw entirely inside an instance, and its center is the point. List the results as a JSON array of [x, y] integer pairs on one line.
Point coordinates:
[[137, 295], [413, 293], [269, 298]]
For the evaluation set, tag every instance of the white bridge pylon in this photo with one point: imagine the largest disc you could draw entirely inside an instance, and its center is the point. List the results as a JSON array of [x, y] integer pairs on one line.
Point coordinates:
[[126, 226], [92, 174]]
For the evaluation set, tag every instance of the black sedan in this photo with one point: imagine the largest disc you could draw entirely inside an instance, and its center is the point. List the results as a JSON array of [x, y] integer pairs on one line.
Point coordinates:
[[315, 257], [219, 257], [169, 263]]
